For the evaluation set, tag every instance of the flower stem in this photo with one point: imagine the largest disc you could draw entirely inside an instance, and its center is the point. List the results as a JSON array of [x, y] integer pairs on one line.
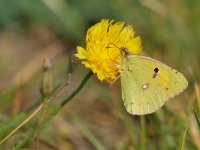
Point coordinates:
[[85, 79], [66, 100]]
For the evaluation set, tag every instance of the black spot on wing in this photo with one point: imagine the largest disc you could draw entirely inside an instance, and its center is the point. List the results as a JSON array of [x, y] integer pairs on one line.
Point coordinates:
[[156, 70]]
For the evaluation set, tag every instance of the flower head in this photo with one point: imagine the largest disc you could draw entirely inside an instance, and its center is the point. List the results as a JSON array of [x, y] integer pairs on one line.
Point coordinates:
[[101, 58]]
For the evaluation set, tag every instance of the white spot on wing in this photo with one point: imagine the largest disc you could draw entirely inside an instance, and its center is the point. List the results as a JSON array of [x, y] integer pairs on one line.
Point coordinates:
[[145, 86]]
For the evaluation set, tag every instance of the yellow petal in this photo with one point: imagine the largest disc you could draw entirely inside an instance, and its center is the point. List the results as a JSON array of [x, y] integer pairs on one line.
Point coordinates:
[[134, 45], [82, 54], [103, 42]]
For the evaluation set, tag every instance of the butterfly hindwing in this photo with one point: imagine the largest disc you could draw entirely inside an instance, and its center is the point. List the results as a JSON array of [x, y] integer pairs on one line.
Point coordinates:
[[147, 84]]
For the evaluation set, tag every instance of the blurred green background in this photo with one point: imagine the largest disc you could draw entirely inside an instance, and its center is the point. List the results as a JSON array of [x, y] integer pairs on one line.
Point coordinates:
[[33, 31]]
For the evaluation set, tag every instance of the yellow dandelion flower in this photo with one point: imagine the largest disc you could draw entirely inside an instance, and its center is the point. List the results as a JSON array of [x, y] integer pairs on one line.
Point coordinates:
[[102, 60]]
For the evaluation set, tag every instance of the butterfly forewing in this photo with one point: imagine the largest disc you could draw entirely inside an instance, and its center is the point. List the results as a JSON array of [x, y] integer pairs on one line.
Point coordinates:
[[145, 90], [172, 80]]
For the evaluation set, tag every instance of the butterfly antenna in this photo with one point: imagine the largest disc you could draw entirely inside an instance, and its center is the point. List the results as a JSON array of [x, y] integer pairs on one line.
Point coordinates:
[[122, 49], [108, 52], [113, 45]]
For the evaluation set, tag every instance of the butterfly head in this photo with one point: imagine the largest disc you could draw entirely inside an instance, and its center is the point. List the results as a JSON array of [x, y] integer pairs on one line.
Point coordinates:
[[124, 51]]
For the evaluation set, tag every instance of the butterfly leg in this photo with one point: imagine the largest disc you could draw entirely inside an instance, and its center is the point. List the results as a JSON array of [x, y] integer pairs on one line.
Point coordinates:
[[115, 80], [121, 74]]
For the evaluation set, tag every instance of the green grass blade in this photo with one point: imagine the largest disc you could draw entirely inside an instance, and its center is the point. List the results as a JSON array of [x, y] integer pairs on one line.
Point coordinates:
[[88, 134], [4, 130], [197, 119], [183, 140], [130, 128], [143, 133], [24, 141]]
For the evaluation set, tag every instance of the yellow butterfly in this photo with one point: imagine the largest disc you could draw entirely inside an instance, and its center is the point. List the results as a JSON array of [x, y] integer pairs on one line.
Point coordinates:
[[147, 83]]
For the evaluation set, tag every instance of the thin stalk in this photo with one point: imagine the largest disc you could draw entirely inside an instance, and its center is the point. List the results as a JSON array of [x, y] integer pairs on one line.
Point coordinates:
[[35, 112], [23, 123], [66, 100], [143, 133], [183, 140], [69, 98], [39, 108], [88, 134], [40, 119], [197, 119]]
